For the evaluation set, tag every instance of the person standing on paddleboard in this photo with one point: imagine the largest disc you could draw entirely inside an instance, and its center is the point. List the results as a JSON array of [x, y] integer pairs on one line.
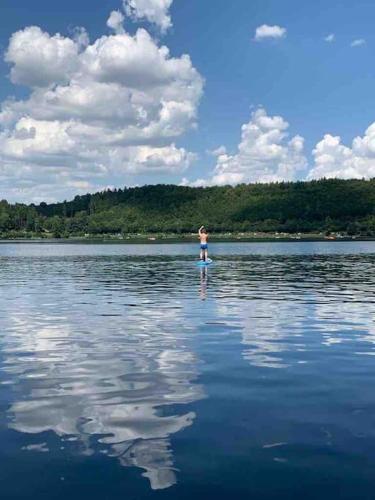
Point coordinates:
[[203, 237]]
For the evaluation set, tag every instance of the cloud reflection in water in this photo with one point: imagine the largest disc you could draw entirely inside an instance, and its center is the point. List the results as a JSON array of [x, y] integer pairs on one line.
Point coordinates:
[[105, 352], [91, 359]]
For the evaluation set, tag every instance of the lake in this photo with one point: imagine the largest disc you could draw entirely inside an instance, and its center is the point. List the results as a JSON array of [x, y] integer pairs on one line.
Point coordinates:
[[128, 372]]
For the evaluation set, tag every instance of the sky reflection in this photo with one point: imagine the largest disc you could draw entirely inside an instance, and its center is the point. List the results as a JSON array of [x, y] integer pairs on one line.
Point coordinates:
[[103, 370], [113, 355]]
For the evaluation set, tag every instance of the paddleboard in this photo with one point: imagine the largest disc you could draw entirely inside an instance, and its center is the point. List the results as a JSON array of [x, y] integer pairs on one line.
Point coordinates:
[[204, 262]]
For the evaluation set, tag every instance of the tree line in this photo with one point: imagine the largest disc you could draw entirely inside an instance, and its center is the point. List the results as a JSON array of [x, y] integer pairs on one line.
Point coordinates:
[[328, 205]]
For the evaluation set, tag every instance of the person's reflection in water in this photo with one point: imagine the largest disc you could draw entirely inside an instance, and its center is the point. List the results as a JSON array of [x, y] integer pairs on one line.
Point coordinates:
[[204, 283]]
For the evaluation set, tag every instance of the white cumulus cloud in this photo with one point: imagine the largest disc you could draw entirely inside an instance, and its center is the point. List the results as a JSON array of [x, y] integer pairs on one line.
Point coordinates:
[[81, 37], [221, 150], [269, 32], [332, 159], [359, 42], [39, 59], [115, 21], [265, 154], [330, 38], [96, 114], [153, 11]]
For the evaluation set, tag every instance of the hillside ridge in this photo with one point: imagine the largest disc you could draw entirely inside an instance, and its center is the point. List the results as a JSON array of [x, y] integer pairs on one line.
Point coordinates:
[[326, 205]]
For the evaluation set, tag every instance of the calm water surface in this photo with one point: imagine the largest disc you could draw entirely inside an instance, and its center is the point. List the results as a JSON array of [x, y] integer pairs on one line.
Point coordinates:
[[127, 372]]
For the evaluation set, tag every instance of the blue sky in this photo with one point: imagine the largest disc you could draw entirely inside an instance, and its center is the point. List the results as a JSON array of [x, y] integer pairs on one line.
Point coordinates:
[[321, 89]]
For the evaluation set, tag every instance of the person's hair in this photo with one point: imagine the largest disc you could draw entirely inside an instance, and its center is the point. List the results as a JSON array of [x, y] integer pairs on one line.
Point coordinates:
[[204, 230]]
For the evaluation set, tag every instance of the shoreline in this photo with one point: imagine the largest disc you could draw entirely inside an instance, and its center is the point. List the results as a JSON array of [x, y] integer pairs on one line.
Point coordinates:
[[177, 239]]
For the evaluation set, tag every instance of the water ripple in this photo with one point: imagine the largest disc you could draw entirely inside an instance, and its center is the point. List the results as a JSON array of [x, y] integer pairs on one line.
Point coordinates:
[[112, 353]]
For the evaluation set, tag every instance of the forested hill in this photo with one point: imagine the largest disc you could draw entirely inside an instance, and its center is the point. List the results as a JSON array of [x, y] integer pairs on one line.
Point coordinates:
[[326, 205]]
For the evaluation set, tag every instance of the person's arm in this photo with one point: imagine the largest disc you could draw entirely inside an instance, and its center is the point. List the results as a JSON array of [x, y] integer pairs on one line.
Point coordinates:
[[200, 230]]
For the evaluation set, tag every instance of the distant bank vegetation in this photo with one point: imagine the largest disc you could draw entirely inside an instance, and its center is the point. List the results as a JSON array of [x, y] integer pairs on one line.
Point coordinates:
[[325, 206]]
